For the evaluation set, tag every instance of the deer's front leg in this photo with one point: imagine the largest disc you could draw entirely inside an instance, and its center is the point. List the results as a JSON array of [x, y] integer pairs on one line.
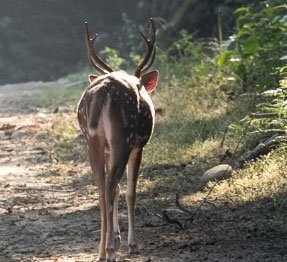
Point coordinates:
[[132, 177]]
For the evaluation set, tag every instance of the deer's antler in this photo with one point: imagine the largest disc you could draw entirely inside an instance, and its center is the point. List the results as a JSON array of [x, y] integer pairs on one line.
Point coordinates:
[[95, 60], [150, 55]]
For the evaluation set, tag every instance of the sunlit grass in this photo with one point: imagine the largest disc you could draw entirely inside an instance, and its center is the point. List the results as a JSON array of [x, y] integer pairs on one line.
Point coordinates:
[[192, 123], [188, 136], [263, 180], [262, 183], [64, 92], [64, 129]]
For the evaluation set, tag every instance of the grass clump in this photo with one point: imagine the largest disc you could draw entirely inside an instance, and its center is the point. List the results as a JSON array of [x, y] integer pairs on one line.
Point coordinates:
[[261, 182]]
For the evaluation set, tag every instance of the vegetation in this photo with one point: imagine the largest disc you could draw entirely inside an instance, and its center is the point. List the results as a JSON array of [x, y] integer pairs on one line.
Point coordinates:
[[215, 102], [48, 43], [257, 50], [205, 112], [256, 56]]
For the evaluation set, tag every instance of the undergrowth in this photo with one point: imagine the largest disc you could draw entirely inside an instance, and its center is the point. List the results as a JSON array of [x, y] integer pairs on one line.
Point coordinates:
[[199, 119]]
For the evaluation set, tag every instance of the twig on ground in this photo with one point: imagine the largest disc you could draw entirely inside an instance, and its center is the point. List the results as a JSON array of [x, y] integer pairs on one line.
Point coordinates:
[[263, 115], [153, 214], [172, 220]]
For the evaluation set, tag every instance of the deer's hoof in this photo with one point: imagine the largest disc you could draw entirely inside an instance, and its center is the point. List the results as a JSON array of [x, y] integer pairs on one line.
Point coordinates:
[[117, 241], [101, 258], [133, 249]]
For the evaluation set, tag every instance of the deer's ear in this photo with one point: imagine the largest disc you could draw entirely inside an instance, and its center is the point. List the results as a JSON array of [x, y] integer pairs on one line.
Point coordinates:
[[92, 78], [149, 80]]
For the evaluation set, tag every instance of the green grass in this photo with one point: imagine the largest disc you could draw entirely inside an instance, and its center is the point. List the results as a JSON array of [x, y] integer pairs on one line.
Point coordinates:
[[193, 123], [64, 92], [260, 181], [188, 137]]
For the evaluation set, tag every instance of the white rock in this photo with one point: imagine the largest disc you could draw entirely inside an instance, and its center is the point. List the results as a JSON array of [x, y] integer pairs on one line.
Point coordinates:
[[219, 172]]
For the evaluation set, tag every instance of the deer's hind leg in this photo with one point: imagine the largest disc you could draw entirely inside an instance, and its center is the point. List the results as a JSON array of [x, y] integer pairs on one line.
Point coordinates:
[[132, 177], [117, 235], [118, 158], [97, 162]]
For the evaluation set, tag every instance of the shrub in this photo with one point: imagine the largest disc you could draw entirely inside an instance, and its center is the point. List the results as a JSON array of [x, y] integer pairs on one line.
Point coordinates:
[[258, 48]]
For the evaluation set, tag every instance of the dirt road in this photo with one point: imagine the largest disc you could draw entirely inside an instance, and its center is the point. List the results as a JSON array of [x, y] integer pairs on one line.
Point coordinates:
[[49, 204]]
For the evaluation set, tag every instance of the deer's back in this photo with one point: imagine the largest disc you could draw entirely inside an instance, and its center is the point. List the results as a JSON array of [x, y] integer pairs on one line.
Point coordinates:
[[116, 106]]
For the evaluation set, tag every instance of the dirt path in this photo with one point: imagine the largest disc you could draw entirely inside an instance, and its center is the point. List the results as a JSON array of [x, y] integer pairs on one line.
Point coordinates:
[[48, 208], [48, 203]]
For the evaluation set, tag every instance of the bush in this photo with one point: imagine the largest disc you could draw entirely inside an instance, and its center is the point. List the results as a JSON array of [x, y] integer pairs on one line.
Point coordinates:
[[258, 49], [185, 63]]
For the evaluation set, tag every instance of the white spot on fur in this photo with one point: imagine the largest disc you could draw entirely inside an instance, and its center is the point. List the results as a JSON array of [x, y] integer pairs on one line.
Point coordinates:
[[91, 132]]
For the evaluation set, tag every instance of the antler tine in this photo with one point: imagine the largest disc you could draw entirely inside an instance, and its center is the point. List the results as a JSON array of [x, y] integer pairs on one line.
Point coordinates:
[[151, 50], [150, 61], [95, 60]]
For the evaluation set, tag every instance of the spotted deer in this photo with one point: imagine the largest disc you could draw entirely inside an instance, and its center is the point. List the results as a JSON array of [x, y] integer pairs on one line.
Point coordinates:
[[116, 116]]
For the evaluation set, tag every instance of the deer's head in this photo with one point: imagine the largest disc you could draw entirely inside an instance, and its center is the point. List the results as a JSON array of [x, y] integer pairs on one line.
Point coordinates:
[[146, 79]]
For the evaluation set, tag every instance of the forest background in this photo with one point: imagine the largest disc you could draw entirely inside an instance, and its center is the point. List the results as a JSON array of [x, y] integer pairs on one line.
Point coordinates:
[[43, 40]]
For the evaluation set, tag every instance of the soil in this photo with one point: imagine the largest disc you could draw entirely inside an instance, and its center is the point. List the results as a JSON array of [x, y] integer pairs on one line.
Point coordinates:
[[49, 203]]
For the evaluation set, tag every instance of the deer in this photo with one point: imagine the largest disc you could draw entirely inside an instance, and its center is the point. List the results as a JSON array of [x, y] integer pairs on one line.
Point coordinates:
[[116, 116]]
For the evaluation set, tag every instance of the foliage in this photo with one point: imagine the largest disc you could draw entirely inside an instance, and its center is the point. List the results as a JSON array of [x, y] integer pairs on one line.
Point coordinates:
[[185, 62], [131, 38], [112, 58], [258, 47], [256, 56], [48, 43], [188, 137], [271, 114]]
